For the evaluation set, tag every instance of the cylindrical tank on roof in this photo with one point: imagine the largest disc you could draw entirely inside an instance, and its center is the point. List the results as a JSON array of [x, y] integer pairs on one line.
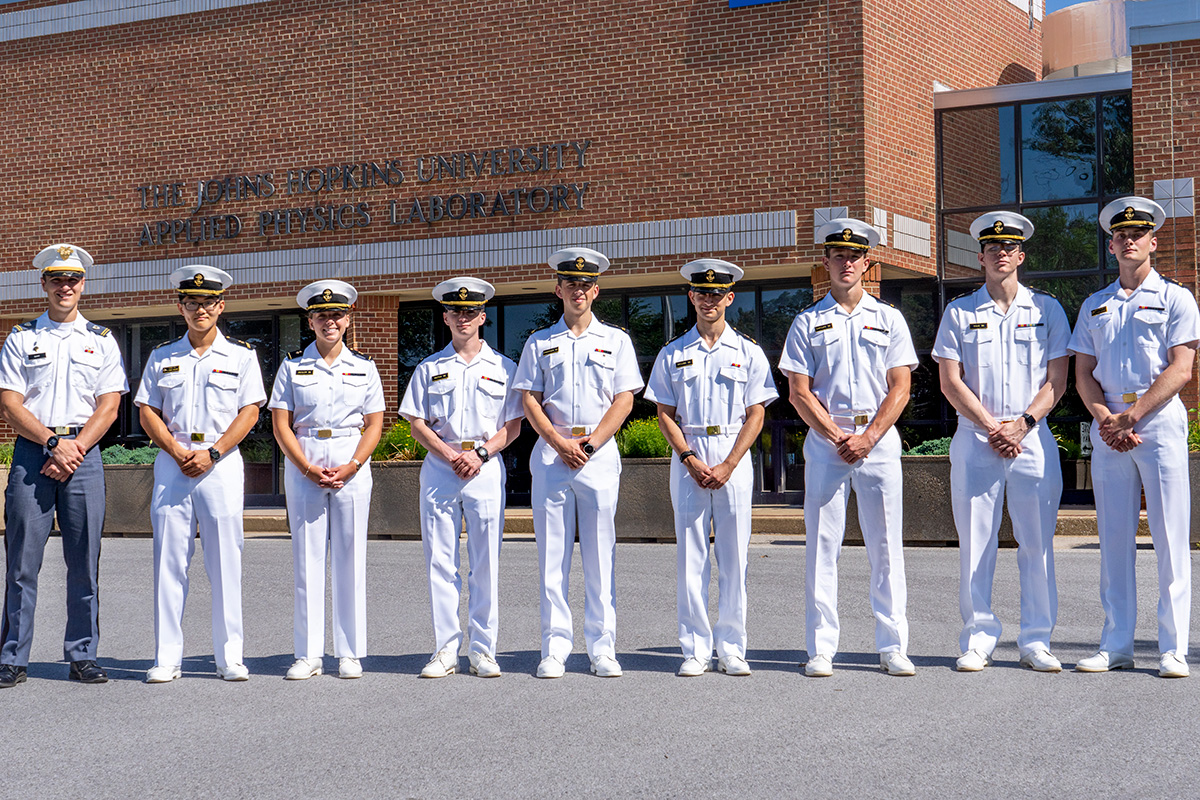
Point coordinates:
[[1088, 38]]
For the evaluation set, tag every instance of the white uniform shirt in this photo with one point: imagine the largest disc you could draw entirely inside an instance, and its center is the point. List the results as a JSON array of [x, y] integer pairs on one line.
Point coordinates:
[[61, 369], [461, 401], [711, 387], [333, 396], [1130, 333], [201, 393], [847, 355], [578, 377], [1004, 356]]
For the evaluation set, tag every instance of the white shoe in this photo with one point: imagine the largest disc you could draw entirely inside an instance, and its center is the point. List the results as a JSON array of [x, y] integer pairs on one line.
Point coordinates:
[[896, 664], [1172, 666], [162, 673], [973, 661], [441, 664], [349, 668], [733, 665], [303, 669], [606, 667], [1103, 661], [1041, 661], [819, 666], [234, 672], [483, 665], [551, 667], [693, 667]]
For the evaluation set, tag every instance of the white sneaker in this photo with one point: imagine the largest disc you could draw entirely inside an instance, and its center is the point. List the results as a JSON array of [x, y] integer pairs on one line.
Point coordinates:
[[973, 661], [303, 669], [733, 665], [349, 668], [693, 667], [1041, 661], [483, 665], [606, 667], [441, 664], [1172, 665], [1103, 661], [234, 672], [819, 666], [163, 673], [551, 667], [896, 664]]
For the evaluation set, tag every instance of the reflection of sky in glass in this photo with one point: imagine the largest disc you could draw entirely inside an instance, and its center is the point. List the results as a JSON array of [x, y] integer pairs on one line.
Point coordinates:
[[1058, 150], [522, 319], [1008, 155]]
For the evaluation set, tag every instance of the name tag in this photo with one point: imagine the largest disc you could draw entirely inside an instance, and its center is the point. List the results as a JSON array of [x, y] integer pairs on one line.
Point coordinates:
[[170, 369], [550, 351], [1099, 310], [441, 377], [977, 326], [687, 363], [304, 372], [36, 356], [824, 327]]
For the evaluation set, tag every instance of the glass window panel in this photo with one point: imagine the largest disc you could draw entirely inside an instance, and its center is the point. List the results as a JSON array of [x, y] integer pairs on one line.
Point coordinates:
[[1064, 238], [918, 303], [145, 338], [680, 314], [742, 313], [1070, 292], [607, 308], [925, 402], [779, 308], [1058, 149], [978, 157], [522, 319], [490, 330], [961, 249], [1117, 114], [646, 325]]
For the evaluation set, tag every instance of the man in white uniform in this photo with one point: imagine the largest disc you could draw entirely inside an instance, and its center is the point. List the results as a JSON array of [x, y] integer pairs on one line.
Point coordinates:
[[578, 377], [1134, 344], [464, 410], [1002, 356], [712, 386], [849, 359], [61, 381], [199, 397]]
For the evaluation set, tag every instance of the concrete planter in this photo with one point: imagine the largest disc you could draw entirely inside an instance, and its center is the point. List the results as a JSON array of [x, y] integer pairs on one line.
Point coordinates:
[[644, 511], [1194, 482], [395, 499], [127, 490]]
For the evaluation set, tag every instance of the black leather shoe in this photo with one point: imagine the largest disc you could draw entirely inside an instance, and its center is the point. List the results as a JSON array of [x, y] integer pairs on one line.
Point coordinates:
[[11, 675], [88, 672]]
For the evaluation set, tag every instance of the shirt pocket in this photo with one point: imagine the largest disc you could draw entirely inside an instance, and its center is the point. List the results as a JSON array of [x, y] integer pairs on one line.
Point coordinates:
[[731, 382], [354, 392], [601, 367], [490, 399], [306, 391], [873, 344], [1150, 327], [553, 363], [441, 399], [220, 391], [37, 370], [977, 346], [1030, 344], [85, 370], [1101, 329]]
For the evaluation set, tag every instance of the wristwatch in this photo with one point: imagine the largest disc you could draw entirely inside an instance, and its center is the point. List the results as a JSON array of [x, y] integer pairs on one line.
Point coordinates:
[[52, 442], [588, 448], [214, 454], [685, 455], [483, 453], [1029, 421]]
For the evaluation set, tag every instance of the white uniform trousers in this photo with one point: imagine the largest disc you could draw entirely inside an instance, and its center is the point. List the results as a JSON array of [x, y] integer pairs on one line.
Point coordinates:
[[1160, 466], [179, 504], [726, 513], [334, 520], [979, 481], [878, 487], [445, 500], [561, 498]]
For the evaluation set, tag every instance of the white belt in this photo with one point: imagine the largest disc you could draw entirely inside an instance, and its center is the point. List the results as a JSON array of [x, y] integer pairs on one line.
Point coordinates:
[[464, 444], [1123, 397], [573, 430], [185, 437], [711, 430], [328, 433], [857, 418]]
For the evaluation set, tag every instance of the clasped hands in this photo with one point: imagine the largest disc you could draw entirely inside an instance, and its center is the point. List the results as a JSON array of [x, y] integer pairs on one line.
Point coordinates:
[[64, 460]]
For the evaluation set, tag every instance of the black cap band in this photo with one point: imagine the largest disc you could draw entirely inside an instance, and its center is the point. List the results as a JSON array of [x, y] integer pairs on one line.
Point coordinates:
[[463, 297], [847, 238], [1131, 217], [328, 299], [579, 269]]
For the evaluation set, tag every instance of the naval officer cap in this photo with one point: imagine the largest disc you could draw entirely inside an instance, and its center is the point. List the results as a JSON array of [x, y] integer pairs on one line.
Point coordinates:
[[1001, 227], [200, 280], [579, 264], [327, 295], [463, 293], [63, 259], [711, 275], [1131, 212], [846, 232]]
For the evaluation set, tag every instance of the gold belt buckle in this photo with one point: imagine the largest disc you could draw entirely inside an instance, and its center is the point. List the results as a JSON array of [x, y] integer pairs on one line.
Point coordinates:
[[578, 430], [1129, 397], [197, 437], [324, 433], [861, 419], [61, 430], [467, 446], [713, 430]]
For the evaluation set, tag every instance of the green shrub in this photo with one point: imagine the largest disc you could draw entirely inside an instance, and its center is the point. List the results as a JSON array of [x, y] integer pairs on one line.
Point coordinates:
[[6, 451], [1194, 430], [257, 451], [125, 455], [398, 444], [933, 447], [641, 438]]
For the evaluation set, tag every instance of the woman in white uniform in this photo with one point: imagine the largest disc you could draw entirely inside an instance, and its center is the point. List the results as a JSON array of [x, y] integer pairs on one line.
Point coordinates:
[[327, 411]]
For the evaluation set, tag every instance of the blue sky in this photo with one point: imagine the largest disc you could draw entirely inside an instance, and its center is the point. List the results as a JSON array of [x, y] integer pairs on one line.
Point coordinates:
[[1055, 5]]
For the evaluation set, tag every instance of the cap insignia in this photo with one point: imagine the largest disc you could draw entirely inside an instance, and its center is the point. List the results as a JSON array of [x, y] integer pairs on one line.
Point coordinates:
[[580, 263], [463, 293], [847, 234], [998, 227], [327, 295], [1129, 212], [710, 276], [65, 252], [198, 279]]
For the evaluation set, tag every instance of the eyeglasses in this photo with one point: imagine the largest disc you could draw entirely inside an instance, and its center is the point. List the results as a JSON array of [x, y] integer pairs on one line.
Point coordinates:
[[194, 305], [996, 249], [465, 313]]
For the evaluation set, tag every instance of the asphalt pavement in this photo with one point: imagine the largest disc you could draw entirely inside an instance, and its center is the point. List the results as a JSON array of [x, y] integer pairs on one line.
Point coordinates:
[[648, 734]]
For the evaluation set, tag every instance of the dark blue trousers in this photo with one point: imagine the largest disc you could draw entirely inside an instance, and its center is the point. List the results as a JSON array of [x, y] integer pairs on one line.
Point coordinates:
[[31, 502]]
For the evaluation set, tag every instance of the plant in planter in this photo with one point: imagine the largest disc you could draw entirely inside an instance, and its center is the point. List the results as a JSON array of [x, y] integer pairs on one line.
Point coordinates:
[[933, 447], [641, 438], [119, 454], [398, 444]]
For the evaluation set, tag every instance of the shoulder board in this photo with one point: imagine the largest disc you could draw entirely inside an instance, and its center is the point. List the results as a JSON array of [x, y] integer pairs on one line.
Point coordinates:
[[960, 296], [25, 326], [294, 354], [1172, 280], [618, 327], [886, 303], [744, 336], [169, 341], [99, 330], [363, 356], [808, 306], [240, 343], [1042, 291], [678, 336]]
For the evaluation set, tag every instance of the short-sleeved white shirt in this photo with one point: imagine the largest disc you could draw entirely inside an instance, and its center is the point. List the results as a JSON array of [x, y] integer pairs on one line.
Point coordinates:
[[1130, 333], [578, 377], [711, 387], [848, 355], [1004, 356], [201, 393], [463, 401], [321, 395], [61, 368]]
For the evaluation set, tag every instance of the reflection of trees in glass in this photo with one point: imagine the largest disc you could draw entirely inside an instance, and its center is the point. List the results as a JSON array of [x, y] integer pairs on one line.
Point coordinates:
[[925, 401], [917, 305], [415, 338], [1070, 292], [780, 307], [646, 324], [1064, 239], [1059, 149], [1117, 111]]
